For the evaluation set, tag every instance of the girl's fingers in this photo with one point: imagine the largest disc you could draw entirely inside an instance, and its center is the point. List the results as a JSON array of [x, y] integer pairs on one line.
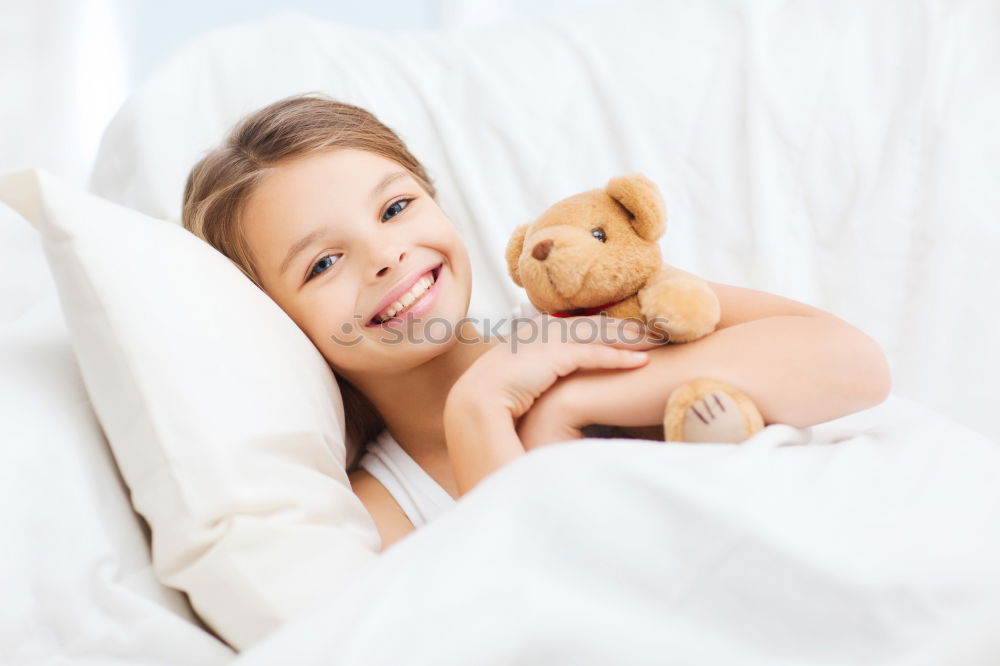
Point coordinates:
[[611, 331], [640, 343], [620, 333], [583, 356]]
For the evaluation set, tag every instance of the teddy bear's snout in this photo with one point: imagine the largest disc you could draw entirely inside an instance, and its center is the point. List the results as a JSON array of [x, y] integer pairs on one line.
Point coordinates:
[[541, 250]]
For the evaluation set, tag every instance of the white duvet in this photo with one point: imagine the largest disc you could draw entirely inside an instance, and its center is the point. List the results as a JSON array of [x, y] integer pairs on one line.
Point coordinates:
[[872, 539]]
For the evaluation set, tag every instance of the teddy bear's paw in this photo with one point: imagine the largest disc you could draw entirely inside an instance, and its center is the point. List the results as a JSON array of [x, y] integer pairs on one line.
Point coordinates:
[[676, 325], [679, 312], [708, 410]]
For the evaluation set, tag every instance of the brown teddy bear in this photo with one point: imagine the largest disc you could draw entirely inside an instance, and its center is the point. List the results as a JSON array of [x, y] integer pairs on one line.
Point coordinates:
[[598, 251]]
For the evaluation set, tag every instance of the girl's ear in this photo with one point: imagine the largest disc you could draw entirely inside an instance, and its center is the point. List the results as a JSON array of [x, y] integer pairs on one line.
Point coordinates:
[[642, 199], [514, 247]]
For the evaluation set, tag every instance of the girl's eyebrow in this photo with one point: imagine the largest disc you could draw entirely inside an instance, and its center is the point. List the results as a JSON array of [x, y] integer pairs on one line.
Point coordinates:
[[300, 245], [315, 234], [386, 182]]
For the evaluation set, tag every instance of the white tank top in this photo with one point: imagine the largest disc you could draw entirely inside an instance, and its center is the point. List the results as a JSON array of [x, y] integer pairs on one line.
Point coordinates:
[[417, 493]]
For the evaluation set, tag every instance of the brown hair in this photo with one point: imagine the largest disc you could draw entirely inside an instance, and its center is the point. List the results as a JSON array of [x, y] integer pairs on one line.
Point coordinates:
[[221, 182]]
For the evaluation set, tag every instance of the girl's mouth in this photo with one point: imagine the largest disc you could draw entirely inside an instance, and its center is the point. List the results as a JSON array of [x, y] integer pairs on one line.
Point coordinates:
[[414, 302]]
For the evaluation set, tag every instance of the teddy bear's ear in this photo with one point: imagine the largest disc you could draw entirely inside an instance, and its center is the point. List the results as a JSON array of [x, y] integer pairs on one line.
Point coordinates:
[[642, 199], [514, 247]]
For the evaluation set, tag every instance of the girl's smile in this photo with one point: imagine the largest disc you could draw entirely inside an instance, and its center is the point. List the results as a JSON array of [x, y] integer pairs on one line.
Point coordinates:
[[411, 298]]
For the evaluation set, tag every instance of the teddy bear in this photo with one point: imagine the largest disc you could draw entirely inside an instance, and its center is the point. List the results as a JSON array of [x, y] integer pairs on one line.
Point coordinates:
[[598, 252]]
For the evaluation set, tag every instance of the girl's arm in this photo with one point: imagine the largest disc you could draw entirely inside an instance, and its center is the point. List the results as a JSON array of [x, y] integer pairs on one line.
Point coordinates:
[[480, 438], [799, 364], [391, 521]]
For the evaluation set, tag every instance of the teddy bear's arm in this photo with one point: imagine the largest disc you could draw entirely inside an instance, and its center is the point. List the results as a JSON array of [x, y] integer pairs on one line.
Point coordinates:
[[679, 305]]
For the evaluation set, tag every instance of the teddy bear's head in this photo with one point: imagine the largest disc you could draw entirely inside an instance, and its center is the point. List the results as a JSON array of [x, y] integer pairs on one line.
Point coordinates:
[[595, 247]]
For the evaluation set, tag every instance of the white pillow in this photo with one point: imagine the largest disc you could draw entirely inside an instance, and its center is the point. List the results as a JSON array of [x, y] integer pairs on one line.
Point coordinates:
[[226, 422], [75, 570]]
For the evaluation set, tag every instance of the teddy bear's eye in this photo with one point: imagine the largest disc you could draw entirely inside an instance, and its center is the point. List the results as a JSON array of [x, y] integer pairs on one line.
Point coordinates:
[[599, 234]]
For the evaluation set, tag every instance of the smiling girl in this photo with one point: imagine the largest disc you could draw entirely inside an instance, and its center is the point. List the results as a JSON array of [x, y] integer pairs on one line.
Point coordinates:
[[324, 208]]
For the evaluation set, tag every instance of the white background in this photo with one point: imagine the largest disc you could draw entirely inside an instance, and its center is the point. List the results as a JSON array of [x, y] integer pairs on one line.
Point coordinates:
[[66, 65]]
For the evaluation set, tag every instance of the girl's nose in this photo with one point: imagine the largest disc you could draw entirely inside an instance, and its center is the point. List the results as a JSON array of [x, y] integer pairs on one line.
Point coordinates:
[[387, 266]]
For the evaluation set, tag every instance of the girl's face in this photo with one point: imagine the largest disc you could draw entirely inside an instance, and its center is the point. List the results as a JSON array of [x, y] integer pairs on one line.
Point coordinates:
[[342, 239]]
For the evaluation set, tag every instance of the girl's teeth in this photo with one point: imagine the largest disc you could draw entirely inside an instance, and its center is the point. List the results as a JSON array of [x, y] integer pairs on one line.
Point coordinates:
[[407, 299]]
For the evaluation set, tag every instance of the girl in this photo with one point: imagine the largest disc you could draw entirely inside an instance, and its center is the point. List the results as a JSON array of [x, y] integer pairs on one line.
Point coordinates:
[[324, 208]]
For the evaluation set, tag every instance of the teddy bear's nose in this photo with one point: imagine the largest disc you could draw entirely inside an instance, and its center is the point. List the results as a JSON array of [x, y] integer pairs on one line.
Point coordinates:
[[541, 250]]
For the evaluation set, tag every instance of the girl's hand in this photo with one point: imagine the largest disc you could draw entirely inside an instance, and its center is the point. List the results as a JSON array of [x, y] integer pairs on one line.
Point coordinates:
[[555, 417], [515, 373]]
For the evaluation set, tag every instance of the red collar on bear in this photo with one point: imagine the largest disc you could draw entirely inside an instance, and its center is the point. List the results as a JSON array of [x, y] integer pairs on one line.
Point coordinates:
[[583, 312]]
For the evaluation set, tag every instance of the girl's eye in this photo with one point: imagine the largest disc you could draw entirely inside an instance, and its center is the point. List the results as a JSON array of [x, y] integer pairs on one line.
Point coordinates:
[[320, 266], [395, 209]]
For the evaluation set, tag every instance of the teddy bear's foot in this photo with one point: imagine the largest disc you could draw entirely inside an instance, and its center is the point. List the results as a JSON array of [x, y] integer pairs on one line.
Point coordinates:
[[708, 410]]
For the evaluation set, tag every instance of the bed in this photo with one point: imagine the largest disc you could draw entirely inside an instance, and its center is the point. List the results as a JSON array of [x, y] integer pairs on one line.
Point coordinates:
[[838, 154]]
